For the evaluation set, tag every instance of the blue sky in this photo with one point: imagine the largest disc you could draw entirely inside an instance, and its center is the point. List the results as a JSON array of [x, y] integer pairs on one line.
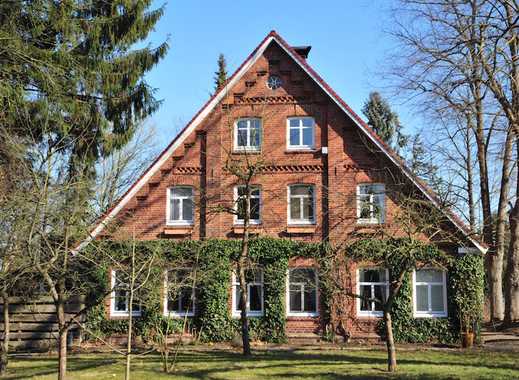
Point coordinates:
[[347, 37]]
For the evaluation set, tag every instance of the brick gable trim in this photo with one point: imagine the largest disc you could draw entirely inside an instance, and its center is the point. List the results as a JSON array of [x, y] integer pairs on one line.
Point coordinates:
[[208, 107]]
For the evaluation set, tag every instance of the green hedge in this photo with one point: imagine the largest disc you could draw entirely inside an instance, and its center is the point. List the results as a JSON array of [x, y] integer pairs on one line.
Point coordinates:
[[215, 259]]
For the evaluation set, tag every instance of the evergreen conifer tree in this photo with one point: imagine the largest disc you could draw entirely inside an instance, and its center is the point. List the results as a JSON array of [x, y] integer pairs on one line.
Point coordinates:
[[220, 76], [384, 121]]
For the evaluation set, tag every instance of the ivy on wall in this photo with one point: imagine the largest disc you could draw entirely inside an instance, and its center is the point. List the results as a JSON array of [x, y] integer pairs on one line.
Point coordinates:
[[214, 259]]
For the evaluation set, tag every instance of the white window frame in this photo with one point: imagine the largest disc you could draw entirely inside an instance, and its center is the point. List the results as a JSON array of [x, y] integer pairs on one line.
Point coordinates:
[[300, 128], [430, 313], [248, 147], [182, 221], [371, 200], [176, 314], [372, 312], [298, 222], [119, 313], [235, 302], [291, 313], [251, 221]]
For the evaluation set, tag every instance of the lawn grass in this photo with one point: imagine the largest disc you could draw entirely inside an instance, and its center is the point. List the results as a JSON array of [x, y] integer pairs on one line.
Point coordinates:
[[297, 364]]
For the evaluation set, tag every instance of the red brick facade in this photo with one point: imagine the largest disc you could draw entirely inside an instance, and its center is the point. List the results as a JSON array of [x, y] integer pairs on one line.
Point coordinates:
[[351, 159]]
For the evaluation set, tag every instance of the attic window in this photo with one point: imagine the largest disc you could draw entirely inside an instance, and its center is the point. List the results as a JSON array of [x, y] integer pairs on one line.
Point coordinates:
[[274, 82]]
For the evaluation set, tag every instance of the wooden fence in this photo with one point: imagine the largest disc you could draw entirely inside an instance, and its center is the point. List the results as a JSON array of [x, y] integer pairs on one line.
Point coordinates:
[[34, 323]]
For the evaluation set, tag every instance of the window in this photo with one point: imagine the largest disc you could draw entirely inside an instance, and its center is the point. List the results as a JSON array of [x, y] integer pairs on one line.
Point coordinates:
[[370, 203], [254, 204], [180, 293], [302, 292], [119, 305], [372, 284], [301, 204], [300, 133], [430, 293], [247, 134], [254, 305], [180, 208]]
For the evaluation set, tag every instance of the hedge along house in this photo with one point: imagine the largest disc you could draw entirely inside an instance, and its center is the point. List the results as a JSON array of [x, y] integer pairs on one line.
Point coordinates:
[[326, 176]]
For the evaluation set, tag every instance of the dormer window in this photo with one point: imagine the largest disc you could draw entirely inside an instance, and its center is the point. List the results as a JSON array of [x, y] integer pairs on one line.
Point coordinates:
[[247, 135], [300, 133]]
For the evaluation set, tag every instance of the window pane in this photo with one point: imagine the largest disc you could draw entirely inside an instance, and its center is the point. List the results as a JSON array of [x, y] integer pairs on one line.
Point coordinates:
[[120, 301], [294, 136], [310, 300], [241, 208], [365, 208], [307, 136], [304, 276], [255, 192], [308, 208], [295, 208], [237, 295], [422, 302], [242, 137], [187, 209], [182, 192], [242, 124], [255, 298], [365, 292], [173, 302], [437, 298], [255, 134], [294, 122], [308, 122], [255, 208], [301, 190], [186, 304], [379, 295], [429, 275], [295, 298], [372, 275], [175, 209]]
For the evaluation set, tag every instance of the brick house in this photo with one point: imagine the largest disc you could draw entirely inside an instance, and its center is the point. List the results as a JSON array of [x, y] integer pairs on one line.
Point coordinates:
[[326, 177]]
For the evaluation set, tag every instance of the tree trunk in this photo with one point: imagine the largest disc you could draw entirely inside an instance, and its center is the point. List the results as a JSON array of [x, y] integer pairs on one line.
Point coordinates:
[[512, 268], [4, 353], [62, 348], [497, 302], [390, 343], [243, 314]]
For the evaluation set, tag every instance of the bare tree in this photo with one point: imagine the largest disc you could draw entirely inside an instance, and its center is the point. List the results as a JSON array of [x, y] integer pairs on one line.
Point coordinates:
[[443, 59]]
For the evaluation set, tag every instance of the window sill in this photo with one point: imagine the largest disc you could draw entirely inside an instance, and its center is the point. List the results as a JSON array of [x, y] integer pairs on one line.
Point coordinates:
[[249, 315], [301, 150], [370, 315], [178, 230], [301, 229], [174, 315], [430, 315], [123, 315], [302, 315]]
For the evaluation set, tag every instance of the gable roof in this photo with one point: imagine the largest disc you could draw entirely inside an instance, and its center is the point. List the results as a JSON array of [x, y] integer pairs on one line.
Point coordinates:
[[273, 36]]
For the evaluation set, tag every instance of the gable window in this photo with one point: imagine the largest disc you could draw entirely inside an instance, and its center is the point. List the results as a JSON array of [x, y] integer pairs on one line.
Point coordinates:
[[180, 205], [302, 292], [371, 203], [247, 134], [430, 293], [301, 201], [372, 284], [300, 133], [254, 304], [254, 204], [119, 301]]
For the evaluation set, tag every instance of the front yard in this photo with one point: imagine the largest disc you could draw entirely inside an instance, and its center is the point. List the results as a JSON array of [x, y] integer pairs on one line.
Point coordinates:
[[292, 364]]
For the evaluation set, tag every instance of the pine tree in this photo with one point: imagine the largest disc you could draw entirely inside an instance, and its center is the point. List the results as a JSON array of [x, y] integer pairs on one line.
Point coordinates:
[[384, 121], [220, 76]]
